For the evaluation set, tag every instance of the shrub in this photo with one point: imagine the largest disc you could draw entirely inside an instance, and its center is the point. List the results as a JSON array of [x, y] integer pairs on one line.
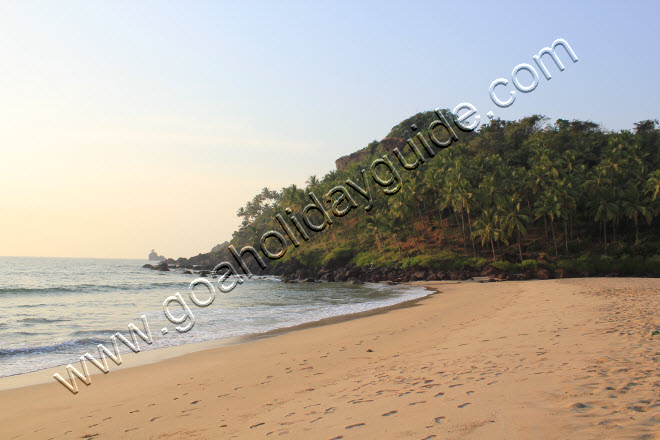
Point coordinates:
[[338, 256]]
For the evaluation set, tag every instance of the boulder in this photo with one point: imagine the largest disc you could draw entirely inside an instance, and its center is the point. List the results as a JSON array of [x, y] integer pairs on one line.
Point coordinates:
[[162, 266], [148, 266], [543, 274], [418, 276]]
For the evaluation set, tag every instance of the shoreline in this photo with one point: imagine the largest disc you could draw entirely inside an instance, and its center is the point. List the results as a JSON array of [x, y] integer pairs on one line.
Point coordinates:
[[534, 359], [154, 356]]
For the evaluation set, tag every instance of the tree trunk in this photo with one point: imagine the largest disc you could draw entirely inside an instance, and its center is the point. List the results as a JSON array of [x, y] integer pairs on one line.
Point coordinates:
[[554, 240], [519, 247], [493, 248], [462, 231], [442, 224], [566, 235], [636, 232], [474, 250]]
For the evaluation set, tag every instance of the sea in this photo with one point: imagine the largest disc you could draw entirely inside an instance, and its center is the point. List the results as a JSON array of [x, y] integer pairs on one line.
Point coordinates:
[[53, 310]]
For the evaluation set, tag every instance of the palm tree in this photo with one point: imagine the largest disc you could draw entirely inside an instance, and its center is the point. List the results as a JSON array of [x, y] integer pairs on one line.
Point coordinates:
[[312, 182], [547, 206], [653, 185], [604, 212], [486, 228], [634, 206], [516, 221]]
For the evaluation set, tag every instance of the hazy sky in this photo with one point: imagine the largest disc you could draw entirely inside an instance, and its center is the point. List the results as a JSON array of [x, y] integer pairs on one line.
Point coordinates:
[[131, 125]]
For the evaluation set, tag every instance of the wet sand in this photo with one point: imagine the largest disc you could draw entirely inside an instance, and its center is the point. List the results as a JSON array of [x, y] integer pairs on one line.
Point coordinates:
[[549, 359]]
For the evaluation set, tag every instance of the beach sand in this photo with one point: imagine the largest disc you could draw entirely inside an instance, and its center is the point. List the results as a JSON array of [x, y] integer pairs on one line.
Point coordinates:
[[552, 359]]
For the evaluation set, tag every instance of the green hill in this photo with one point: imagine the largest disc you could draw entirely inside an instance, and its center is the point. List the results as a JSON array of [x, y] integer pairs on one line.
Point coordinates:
[[526, 197]]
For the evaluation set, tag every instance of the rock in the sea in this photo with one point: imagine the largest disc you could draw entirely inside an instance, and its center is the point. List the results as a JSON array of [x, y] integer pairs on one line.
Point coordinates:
[[153, 256], [148, 266], [187, 272], [162, 266]]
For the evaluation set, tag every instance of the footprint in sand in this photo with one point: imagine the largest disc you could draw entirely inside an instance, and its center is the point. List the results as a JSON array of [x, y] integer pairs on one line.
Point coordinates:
[[389, 413], [439, 419], [417, 403], [257, 425], [155, 418], [580, 407], [429, 437], [439, 394], [464, 405], [355, 426]]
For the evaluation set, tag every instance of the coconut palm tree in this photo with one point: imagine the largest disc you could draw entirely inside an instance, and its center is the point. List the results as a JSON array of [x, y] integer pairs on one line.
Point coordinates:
[[516, 222]]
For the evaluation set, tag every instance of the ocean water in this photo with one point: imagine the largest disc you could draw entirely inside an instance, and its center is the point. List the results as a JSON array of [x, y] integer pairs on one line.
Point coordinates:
[[56, 309]]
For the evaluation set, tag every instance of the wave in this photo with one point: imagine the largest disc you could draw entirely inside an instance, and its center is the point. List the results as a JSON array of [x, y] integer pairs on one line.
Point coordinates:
[[88, 287], [94, 332], [8, 352], [42, 320]]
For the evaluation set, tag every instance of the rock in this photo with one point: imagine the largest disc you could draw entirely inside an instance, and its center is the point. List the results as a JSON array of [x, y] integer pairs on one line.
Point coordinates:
[[308, 280], [162, 266], [187, 272], [543, 274], [357, 282], [204, 273], [560, 273], [148, 266], [153, 256], [488, 271], [418, 276], [328, 277]]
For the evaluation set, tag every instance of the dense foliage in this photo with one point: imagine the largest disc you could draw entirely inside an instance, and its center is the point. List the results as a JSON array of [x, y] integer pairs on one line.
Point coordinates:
[[513, 192]]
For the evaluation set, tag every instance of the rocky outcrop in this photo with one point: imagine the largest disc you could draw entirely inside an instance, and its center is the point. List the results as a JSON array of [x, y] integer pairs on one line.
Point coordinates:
[[359, 156], [153, 256], [162, 266]]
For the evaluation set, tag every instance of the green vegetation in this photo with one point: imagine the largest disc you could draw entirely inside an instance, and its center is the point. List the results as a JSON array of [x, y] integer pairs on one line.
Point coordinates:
[[515, 194]]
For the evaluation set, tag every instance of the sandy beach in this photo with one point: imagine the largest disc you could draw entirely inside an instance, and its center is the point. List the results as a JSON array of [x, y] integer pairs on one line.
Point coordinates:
[[553, 359]]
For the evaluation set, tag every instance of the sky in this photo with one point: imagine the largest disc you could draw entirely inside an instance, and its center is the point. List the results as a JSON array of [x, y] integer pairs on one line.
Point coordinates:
[[127, 126]]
